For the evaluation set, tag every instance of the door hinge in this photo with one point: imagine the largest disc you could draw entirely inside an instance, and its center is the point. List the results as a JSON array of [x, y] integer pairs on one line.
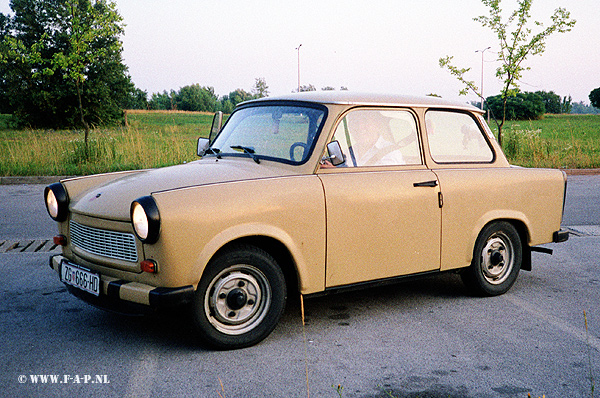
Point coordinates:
[[440, 199]]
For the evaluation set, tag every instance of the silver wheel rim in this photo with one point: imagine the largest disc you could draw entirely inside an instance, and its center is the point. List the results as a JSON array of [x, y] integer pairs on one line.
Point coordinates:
[[497, 258], [237, 299]]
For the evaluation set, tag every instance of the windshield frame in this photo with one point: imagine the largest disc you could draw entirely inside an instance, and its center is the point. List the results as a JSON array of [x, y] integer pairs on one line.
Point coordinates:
[[227, 152]]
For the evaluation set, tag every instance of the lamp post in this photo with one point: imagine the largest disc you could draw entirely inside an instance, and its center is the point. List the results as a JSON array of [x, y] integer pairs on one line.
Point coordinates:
[[298, 49], [481, 94]]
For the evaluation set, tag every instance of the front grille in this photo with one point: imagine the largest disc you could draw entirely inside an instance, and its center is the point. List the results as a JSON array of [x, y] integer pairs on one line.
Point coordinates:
[[117, 245]]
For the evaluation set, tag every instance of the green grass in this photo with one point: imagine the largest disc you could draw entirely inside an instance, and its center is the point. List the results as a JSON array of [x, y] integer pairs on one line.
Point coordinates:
[[152, 139], [160, 138], [557, 141]]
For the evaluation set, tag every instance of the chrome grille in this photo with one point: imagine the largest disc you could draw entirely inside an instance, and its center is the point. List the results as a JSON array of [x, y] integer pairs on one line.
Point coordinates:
[[117, 245]]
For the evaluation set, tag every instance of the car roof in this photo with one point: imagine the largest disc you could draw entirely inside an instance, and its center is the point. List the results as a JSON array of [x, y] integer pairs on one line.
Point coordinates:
[[367, 99]]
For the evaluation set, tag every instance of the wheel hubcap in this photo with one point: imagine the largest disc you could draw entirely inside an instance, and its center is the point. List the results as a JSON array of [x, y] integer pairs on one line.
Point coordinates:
[[237, 299], [497, 258]]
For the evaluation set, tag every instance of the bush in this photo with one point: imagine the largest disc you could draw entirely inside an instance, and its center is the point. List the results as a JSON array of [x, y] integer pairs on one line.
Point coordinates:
[[523, 106]]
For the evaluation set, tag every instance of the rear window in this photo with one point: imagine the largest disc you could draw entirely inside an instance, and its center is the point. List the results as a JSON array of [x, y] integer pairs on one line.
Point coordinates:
[[455, 137]]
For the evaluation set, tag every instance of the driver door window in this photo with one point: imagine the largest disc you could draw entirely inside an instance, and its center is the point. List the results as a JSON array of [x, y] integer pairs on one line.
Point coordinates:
[[379, 138]]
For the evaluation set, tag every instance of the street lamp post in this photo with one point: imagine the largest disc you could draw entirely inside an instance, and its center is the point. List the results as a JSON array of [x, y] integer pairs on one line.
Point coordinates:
[[481, 94], [298, 48]]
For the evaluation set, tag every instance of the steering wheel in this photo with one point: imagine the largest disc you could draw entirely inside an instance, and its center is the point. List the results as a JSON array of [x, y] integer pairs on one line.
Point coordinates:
[[293, 149]]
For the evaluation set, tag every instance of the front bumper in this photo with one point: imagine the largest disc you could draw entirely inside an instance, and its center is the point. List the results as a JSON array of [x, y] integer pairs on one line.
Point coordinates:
[[129, 297]]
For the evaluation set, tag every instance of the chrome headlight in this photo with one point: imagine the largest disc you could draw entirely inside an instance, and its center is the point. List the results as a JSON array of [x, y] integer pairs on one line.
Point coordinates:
[[145, 219], [57, 201]]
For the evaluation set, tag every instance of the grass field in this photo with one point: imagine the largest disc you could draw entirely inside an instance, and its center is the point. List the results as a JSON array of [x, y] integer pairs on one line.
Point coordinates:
[[152, 139], [557, 141], [159, 138]]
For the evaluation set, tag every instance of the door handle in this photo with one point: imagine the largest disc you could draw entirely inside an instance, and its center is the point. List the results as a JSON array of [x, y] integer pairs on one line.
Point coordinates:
[[431, 184]]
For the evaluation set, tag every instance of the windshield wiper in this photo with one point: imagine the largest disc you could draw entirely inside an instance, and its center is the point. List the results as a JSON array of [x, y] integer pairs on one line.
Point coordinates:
[[215, 151], [247, 150]]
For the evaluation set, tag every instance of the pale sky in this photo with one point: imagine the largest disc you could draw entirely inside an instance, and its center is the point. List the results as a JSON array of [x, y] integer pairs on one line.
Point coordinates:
[[375, 46]]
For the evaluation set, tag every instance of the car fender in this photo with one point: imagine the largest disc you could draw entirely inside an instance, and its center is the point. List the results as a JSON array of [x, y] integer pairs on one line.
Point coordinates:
[[309, 279]]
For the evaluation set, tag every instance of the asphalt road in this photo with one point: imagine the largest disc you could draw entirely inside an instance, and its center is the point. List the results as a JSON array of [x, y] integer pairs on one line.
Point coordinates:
[[425, 338]]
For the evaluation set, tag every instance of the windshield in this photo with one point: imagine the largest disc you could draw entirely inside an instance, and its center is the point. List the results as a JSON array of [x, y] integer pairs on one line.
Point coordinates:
[[284, 133]]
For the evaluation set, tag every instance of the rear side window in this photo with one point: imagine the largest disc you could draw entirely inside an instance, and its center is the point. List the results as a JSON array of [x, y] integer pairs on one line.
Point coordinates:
[[455, 137]]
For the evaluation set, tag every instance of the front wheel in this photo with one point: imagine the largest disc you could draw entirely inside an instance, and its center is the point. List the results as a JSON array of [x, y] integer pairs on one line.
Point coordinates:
[[497, 259], [239, 299]]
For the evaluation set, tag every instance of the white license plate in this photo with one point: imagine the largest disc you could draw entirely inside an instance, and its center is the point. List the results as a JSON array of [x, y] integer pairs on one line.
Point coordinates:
[[79, 277]]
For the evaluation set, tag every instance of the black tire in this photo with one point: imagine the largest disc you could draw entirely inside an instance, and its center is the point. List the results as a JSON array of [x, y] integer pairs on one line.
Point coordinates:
[[239, 299], [497, 259]]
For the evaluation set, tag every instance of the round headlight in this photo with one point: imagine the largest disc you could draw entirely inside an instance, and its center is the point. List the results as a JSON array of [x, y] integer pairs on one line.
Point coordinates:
[[145, 219], [57, 201], [139, 220]]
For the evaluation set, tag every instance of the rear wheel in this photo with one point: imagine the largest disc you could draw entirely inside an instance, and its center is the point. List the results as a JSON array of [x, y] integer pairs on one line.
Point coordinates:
[[239, 299], [497, 259]]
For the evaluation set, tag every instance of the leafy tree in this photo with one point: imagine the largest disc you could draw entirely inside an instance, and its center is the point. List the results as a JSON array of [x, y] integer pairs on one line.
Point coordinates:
[[516, 44], [552, 101], [196, 98], [60, 63], [308, 87], [92, 32], [237, 96], [260, 89], [595, 97], [584, 109], [328, 88], [566, 106], [163, 101], [137, 100], [522, 106]]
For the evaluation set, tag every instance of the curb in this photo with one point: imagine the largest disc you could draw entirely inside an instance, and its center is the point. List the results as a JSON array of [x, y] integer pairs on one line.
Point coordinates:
[[30, 180], [581, 172]]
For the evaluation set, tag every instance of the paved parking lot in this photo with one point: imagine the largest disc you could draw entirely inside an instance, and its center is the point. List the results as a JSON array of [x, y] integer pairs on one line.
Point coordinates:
[[421, 338]]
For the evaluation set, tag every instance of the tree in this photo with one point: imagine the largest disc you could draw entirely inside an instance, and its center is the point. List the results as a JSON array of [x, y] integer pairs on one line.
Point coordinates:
[[595, 97], [516, 44], [309, 87], [584, 109], [163, 101], [523, 106], [552, 101], [92, 32], [196, 98], [61, 63], [260, 89], [137, 100]]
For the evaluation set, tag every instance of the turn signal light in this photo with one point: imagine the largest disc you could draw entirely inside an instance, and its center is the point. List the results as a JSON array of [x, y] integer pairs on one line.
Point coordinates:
[[149, 266], [60, 240]]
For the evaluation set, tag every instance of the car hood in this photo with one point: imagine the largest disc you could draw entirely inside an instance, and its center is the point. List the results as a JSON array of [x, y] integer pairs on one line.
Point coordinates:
[[112, 200]]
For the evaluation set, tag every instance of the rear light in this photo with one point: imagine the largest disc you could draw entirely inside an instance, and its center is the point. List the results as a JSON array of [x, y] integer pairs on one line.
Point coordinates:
[[149, 266], [60, 240]]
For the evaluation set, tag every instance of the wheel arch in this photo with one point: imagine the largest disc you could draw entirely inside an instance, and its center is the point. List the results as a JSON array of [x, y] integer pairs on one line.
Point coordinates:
[[275, 248], [524, 236]]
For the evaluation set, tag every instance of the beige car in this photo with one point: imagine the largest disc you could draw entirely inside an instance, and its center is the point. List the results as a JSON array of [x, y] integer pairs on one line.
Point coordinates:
[[305, 194]]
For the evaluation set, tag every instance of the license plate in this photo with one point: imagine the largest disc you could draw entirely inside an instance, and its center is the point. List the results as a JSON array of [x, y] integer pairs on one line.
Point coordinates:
[[79, 277]]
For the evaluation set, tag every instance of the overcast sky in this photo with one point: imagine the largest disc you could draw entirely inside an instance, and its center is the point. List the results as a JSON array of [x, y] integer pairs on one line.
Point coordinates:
[[375, 45]]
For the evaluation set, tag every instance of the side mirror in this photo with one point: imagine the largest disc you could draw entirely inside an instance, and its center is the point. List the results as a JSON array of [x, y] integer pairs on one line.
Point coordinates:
[[336, 156], [203, 144], [216, 126]]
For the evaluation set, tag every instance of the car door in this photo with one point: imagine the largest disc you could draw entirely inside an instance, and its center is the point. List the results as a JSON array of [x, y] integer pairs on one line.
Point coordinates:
[[382, 210]]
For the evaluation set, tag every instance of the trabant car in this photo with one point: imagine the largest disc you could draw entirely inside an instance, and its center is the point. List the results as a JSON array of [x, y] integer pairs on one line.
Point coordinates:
[[306, 194]]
